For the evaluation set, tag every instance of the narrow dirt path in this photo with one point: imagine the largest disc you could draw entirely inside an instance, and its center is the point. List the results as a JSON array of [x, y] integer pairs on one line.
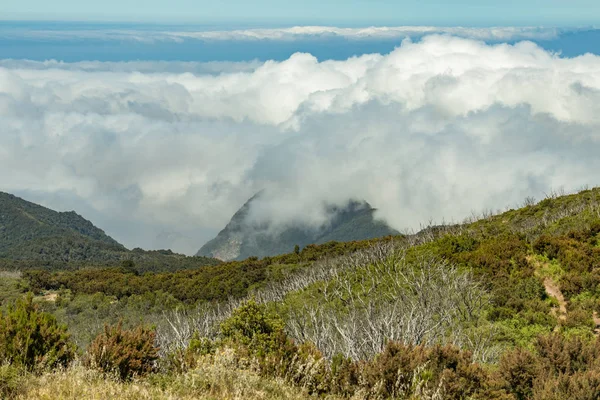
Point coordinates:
[[51, 297], [553, 290], [596, 322]]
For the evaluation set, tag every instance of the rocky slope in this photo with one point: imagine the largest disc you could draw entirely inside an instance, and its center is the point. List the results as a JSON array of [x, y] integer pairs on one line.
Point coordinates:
[[242, 238]]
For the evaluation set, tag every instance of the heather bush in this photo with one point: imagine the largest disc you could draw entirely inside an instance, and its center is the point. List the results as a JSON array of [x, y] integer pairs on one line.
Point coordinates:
[[562, 355], [345, 375], [456, 372], [579, 386], [32, 339], [391, 372], [560, 367], [518, 370], [123, 353]]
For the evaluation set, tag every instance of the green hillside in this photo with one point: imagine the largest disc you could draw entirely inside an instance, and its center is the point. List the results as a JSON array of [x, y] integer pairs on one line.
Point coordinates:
[[508, 256], [502, 306], [30, 231], [32, 236]]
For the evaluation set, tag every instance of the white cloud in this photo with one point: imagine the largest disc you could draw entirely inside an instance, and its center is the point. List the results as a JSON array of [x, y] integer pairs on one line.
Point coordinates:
[[177, 67], [435, 129], [290, 34], [369, 33]]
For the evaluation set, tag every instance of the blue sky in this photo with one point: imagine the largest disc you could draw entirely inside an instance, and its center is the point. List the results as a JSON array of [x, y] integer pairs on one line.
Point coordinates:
[[353, 12]]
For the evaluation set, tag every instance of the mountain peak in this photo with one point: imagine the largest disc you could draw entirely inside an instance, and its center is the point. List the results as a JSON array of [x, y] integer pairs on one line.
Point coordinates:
[[243, 237]]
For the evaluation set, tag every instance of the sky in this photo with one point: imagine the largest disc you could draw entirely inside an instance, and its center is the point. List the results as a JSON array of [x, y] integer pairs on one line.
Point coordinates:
[[377, 12], [159, 130]]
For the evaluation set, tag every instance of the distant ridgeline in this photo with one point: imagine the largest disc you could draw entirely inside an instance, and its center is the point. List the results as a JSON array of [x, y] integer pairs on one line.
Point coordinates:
[[32, 236], [242, 238]]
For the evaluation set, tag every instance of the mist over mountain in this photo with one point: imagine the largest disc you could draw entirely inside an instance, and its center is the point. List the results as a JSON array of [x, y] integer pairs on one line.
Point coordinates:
[[246, 236], [429, 128]]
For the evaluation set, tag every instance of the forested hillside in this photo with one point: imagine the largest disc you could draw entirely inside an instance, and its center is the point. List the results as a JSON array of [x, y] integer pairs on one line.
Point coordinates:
[[28, 230], [32, 236]]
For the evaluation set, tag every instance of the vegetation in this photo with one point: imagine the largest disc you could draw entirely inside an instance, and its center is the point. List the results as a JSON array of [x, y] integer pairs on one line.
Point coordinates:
[[33, 340], [124, 353], [212, 283], [213, 378], [254, 358], [34, 237], [25, 225], [500, 307]]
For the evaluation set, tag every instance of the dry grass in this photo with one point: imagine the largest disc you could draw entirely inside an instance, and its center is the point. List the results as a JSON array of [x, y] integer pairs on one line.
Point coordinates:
[[215, 378], [10, 274]]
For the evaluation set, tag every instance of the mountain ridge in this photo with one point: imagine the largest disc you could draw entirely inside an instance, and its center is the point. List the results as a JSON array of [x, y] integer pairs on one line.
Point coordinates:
[[33, 236], [242, 238], [23, 221]]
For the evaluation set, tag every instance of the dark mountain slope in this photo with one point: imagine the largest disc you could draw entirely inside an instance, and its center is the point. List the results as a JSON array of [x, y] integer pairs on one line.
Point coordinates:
[[26, 229], [242, 238], [33, 236]]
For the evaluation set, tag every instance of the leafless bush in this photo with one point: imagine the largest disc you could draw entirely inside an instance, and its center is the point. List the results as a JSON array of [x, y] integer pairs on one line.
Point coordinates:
[[178, 327], [554, 194], [533, 225], [393, 299], [529, 201], [384, 297]]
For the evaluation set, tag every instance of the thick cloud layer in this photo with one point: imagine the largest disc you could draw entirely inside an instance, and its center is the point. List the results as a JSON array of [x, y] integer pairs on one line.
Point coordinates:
[[434, 130]]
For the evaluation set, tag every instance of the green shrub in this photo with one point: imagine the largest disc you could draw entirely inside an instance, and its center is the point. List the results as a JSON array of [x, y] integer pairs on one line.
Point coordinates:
[[33, 339], [123, 353], [252, 326], [345, 375], [11, 381], [259, 334], [201, 346], [182, 360]]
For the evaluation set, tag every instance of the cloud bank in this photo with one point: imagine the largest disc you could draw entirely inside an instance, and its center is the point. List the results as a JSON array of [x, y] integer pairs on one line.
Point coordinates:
[[369, 33], [147, 34], [433, 130]]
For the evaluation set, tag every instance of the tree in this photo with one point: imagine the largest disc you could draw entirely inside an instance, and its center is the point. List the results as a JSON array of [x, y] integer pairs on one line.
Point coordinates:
[[129, 267]]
